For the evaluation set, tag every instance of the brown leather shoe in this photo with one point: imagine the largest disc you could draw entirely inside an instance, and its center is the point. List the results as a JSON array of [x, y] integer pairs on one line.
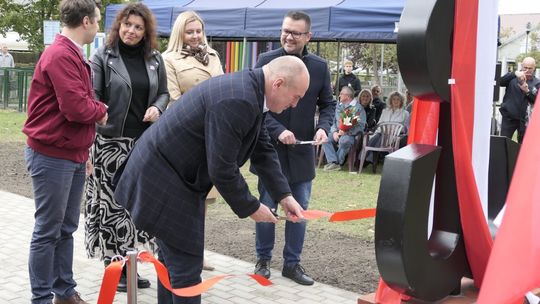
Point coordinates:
[[74, 299]]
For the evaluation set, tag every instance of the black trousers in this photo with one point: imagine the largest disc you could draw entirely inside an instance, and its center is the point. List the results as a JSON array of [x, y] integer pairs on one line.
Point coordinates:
[[184, 271], [509, 126]]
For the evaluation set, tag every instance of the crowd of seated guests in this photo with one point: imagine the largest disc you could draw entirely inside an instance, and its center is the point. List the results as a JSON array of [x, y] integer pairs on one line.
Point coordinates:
[[396, 108]]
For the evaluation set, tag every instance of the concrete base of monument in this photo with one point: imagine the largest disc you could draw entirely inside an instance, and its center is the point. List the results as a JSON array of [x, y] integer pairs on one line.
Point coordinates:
[[468, 295]]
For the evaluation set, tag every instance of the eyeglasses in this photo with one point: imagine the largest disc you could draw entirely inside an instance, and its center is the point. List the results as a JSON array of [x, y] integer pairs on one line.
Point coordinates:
[[295, 35]]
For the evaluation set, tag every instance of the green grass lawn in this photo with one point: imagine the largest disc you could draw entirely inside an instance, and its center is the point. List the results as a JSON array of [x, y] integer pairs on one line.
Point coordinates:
[[332, 191], [11, 123]]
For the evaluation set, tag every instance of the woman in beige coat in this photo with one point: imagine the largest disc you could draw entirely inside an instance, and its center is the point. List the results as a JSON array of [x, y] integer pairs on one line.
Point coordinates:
[[188, 58], [189, 61]]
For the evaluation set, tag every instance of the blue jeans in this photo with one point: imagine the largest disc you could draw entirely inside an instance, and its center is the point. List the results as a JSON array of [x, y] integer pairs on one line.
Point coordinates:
[[294, 232], [344, 145], [58, 187], [184, 270]]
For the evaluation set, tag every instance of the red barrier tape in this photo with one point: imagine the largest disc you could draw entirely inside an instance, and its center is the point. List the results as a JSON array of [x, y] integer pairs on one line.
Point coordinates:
[[195, 290], [340, 216], [112, 274], [111, 277], [352, 215]]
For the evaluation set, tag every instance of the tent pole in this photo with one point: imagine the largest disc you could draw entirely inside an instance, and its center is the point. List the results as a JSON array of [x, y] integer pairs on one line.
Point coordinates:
[[336, 90], [382, 63]]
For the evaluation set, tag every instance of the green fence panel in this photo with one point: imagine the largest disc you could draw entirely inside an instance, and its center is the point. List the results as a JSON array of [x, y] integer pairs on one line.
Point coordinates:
[[15, 84]]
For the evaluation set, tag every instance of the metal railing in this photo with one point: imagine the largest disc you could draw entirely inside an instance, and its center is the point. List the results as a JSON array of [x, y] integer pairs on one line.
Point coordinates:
[[14, 87]]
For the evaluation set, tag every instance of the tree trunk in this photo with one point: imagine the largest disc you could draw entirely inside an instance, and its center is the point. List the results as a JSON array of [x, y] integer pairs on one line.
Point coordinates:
[[375, 65]]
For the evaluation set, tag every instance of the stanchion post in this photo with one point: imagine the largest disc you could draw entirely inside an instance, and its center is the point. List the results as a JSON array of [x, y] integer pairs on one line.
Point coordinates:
[[132, 277]]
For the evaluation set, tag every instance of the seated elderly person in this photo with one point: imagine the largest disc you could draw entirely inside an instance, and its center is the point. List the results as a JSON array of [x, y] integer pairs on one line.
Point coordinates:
[[394, 112], [349, 121]]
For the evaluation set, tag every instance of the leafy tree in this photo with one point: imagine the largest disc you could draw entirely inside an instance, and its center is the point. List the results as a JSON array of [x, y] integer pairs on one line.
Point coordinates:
[[534, 54], [533, 46], [534, 41], [368, 57], [26, 18], [506, 32], [326, 50], [365, 55]]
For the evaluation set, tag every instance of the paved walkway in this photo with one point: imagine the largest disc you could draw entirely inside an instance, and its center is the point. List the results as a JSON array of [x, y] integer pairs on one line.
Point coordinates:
[[16, 223]]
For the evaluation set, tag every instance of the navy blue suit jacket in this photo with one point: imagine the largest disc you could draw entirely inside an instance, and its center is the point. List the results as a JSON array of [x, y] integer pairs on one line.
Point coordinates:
[[200, 141], [298, 161]]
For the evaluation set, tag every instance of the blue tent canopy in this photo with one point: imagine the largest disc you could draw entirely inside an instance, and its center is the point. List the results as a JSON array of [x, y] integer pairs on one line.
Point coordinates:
[[345, 20], [377, 20]]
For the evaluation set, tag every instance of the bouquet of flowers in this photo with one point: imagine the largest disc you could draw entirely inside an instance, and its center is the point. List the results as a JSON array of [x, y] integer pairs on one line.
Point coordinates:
[[348, 119]]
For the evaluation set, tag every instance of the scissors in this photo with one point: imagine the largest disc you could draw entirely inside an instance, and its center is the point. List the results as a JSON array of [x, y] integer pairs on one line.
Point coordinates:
[[279, 217], [305, 142]]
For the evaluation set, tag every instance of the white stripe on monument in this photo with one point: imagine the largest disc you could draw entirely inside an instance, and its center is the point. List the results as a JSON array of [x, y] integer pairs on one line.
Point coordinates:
[[486, 58]]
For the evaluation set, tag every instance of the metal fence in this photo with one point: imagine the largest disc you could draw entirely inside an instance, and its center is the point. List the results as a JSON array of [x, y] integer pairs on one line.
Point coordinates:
[[14, 86]]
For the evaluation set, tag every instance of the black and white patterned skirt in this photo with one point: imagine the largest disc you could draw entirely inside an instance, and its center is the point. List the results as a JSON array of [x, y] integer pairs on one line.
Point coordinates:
[[109, 230]]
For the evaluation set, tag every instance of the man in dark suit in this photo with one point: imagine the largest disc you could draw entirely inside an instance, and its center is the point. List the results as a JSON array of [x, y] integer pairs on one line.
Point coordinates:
[[201, 141], [520, 94], [297, 161]]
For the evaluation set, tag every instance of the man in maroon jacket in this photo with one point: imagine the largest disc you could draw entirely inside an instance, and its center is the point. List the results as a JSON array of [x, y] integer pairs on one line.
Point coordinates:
[[62, 113]]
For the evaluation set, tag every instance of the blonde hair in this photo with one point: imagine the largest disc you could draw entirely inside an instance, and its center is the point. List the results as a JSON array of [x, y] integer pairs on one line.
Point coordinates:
[[347, 62], [395, 94], [365, 91], [176, 41]]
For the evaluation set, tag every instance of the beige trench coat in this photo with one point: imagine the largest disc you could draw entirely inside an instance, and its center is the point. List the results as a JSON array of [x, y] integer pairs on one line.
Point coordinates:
[[185, 73]]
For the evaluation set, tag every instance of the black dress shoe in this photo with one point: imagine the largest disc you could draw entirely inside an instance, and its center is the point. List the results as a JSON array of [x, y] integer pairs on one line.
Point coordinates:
[[141, 283], [298, 274], [122, 284], [262, 268]]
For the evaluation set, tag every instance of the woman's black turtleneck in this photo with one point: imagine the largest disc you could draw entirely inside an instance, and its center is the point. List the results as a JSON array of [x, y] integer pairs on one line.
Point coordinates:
[[133, 57]]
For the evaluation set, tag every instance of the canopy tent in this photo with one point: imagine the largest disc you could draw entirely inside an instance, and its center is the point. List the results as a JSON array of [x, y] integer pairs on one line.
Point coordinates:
[[341, 20]]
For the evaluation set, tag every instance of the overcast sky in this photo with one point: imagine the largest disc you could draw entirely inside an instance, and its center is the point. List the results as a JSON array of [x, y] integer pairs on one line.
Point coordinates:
[[519, 7]]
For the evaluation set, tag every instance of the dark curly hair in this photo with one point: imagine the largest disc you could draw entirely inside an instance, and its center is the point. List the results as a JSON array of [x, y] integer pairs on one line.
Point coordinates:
[[137, 9]]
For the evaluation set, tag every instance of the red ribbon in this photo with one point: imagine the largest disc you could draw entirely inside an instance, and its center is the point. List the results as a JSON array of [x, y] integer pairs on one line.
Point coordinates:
[[340, 216], [352, 215], [111, 277], [112, 274], [194, 290]]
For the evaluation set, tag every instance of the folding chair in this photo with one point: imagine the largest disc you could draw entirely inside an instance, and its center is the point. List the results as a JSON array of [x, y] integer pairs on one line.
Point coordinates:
[[390, 136]]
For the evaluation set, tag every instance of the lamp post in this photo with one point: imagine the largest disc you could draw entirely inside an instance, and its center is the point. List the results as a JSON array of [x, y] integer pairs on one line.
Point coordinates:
[[527, 31]]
